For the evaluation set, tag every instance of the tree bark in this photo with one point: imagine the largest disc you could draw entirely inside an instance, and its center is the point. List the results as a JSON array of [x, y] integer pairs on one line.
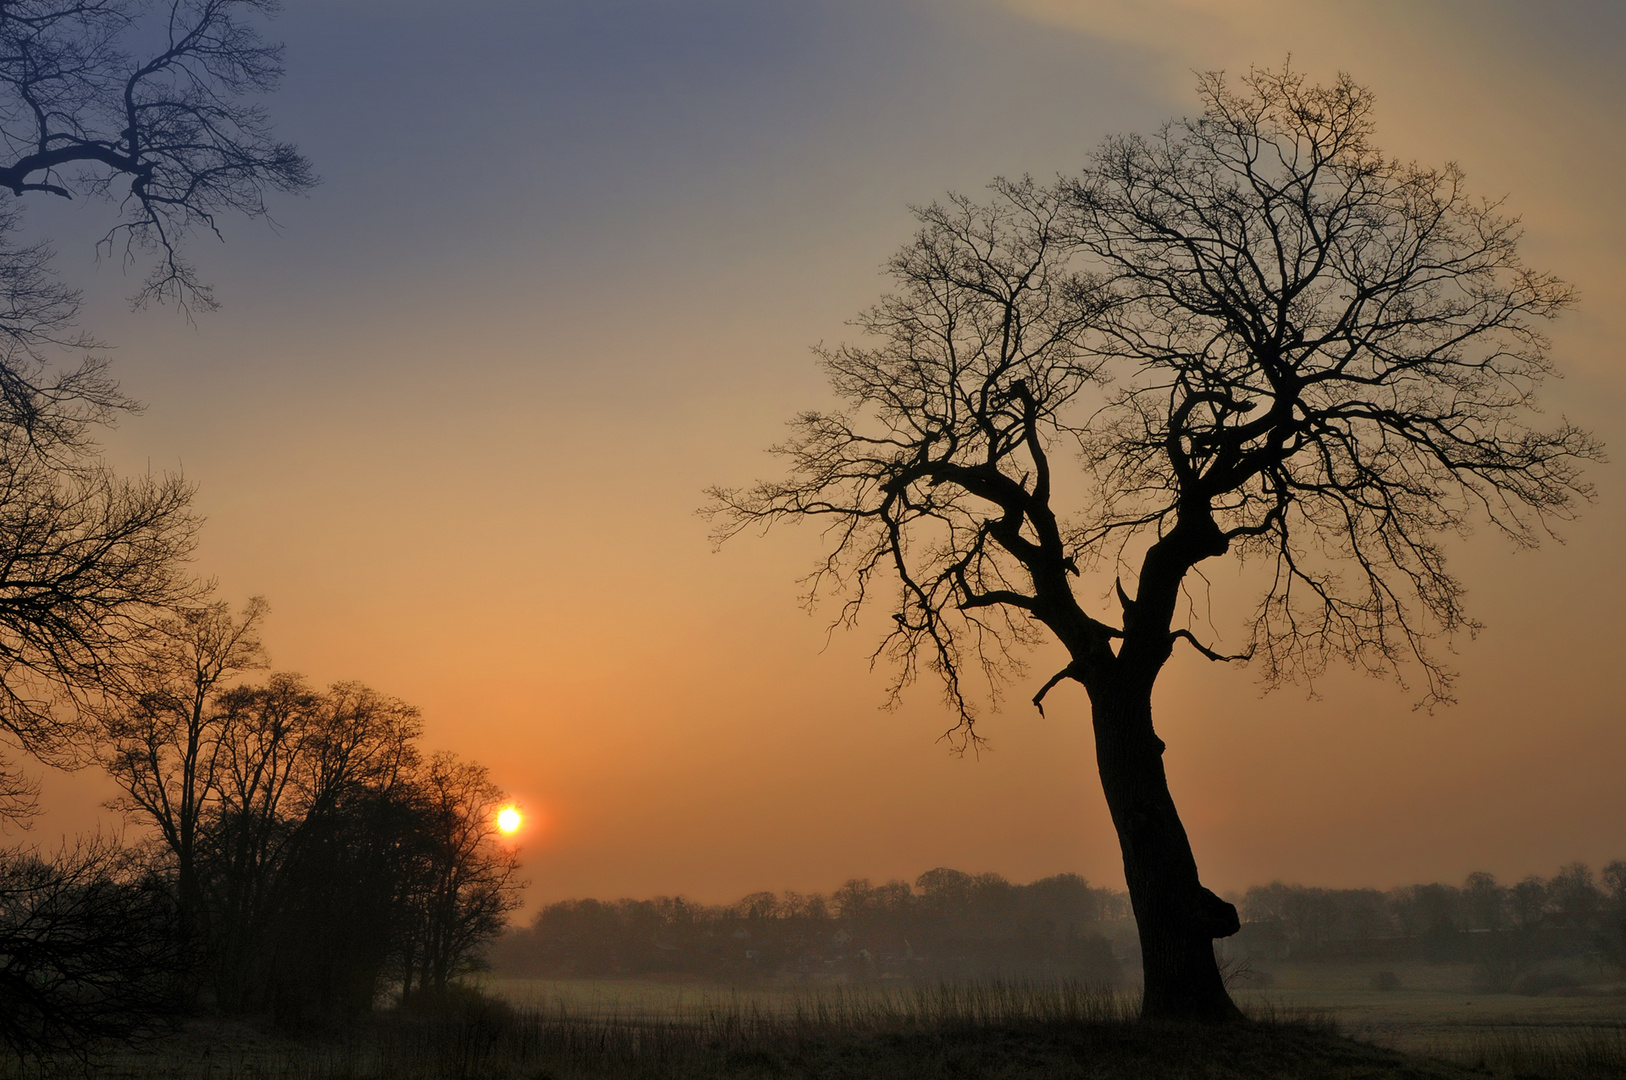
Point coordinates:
[[1177, 917]]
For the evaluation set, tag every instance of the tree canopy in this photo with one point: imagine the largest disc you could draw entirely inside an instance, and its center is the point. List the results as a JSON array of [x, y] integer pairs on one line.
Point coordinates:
[[1254, 334], [154, 106]]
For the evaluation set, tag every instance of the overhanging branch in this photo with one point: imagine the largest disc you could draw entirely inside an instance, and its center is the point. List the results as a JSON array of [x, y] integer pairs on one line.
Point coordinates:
[[1071, 671], [1206, 651]]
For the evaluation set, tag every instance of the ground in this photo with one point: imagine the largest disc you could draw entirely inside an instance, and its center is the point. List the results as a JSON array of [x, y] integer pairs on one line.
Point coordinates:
[[1435, 1008], [1326, 1022]]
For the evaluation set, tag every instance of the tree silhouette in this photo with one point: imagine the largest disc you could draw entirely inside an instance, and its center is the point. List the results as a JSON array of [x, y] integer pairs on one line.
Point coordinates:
[[88, 563], [150, 103], [164, 740], [153, 106], [309, 787], [1260, 337], [466, 885], [313, 853], [86, 949]]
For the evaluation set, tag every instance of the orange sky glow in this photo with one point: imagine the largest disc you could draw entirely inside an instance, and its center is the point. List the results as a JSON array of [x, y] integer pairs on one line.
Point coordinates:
[[456, 415]]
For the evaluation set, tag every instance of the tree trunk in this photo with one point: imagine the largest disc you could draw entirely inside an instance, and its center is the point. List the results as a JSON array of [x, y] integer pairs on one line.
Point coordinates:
[[1177, 917]]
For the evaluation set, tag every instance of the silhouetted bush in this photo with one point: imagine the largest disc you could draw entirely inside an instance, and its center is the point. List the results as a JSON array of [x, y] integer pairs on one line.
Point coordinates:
[[87, 948], [1495, 976], [316, 859], [1537, 983]]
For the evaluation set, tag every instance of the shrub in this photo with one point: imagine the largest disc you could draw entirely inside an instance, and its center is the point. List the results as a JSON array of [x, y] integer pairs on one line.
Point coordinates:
[[1538, 983]]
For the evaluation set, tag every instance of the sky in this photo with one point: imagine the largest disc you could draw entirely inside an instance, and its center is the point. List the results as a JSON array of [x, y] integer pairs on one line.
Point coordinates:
[[564, 272]]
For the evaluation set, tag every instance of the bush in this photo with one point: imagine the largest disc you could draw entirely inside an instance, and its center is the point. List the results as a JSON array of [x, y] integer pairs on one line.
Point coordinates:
[[1495, 976], [1538, 983]]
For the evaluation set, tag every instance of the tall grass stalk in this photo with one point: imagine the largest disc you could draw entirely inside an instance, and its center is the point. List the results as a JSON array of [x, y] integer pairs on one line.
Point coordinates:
[[1581, 1052], [1009, 1028], [478, 1037]]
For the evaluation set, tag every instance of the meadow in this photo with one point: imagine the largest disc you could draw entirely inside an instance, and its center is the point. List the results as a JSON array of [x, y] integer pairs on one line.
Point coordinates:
[[1435, 1008], [1316, 1021]]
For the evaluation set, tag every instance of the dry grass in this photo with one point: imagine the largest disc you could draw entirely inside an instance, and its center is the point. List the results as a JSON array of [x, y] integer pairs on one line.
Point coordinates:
[[997, 1029], [1583, 1052]]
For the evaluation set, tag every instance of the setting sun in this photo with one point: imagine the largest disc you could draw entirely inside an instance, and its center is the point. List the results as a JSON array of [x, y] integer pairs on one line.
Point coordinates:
[[508, 819]]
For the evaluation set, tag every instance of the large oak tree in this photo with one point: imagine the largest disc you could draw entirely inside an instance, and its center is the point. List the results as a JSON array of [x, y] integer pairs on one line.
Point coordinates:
[[1252, 335]]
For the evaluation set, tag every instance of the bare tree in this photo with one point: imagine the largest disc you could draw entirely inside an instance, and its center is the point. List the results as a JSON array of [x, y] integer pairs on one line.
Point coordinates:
[[1322, 360], [88, 562], [257, 792], [312, 785], [467, 887], [164, 738], [151, 104]]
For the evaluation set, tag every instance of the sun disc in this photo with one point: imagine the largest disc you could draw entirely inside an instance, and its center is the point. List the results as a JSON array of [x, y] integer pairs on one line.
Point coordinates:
[[508, 819]]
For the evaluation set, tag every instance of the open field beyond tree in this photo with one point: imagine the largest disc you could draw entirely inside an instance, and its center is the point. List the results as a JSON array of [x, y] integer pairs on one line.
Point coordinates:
[[1319, 1024]]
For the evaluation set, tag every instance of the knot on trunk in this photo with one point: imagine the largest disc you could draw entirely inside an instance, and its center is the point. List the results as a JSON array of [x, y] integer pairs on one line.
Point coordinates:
[[1217, 918]]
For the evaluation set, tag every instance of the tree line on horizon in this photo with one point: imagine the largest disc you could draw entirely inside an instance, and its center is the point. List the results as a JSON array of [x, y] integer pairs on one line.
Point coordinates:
[[1507, 930], [949, 923], [1573, 898]]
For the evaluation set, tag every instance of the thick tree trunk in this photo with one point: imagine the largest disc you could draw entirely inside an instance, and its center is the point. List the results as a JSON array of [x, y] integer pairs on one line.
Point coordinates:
[[1178, 918]]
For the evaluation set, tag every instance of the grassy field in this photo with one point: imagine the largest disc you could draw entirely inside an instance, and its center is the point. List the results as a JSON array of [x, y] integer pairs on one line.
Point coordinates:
[[1435, 1009], [619, 1030], [1434, 1013]]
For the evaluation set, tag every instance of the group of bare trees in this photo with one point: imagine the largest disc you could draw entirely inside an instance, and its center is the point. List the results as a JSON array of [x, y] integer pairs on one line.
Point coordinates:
[[304, 856], [152, 106], [304, 853], [316, 853]]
